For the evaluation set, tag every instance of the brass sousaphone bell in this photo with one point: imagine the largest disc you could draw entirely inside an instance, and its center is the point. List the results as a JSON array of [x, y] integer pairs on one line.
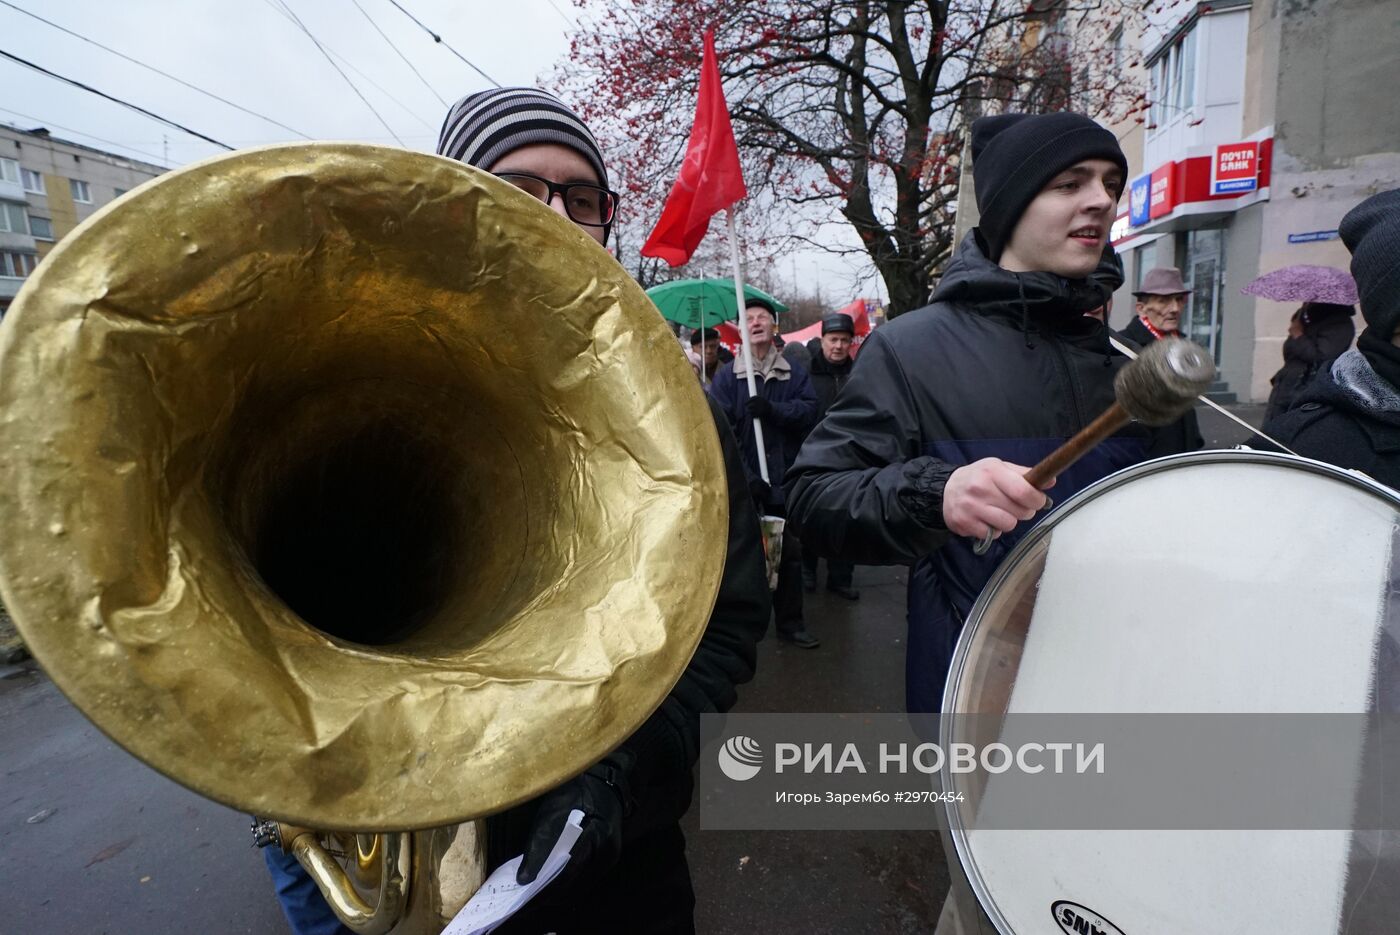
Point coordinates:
[[353, 487]]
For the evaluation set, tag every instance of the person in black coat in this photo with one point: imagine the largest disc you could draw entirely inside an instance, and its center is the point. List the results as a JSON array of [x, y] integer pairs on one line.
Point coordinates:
[[830, 369], [1318, 333], [926, 449], [1350, 414]]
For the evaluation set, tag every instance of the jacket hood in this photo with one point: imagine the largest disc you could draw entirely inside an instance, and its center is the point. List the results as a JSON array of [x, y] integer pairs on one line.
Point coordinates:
[[1045, 300]]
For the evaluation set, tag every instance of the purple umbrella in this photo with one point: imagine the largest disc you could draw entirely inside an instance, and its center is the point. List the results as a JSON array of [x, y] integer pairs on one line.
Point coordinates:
[[1304, 283]]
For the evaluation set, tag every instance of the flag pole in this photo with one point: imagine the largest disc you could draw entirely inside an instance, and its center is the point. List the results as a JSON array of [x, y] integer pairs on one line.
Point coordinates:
[[747, 347]]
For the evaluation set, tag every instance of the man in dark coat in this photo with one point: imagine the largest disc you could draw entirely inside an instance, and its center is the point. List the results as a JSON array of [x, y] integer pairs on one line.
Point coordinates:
[[925, 451], [1161, 299], [1318, 333], [831, 368], [1160, 303], [705, 343], [1350, 414], [627, 871], [787, 407]]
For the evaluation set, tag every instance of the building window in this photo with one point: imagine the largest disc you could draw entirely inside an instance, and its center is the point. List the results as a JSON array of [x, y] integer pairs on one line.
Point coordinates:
[[81, 193], [16, 265], [118, 192], [9, 171], [1173, 77], [33, 181], [40, 228], [1184, 75], [13, 218]]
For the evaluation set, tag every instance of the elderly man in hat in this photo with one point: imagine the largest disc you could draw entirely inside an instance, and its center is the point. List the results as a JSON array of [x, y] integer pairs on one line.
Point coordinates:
[[1161, 299], [1349, 415], [1160, 302], [829, 370], [787, 406]]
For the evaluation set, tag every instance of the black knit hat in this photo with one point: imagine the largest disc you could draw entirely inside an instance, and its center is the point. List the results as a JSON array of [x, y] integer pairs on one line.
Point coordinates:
[[839, 321], [483, 127], [1371, 232], [1014, 156]]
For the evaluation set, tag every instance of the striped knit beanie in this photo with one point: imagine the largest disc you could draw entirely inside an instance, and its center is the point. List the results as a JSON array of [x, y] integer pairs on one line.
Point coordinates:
[[483, 127]]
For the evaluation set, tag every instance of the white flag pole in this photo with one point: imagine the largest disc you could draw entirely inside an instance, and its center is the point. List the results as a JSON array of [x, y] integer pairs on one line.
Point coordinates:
[[744, 338]]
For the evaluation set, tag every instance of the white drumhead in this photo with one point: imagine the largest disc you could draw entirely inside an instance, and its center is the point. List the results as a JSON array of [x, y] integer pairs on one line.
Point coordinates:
[[1221, 582]]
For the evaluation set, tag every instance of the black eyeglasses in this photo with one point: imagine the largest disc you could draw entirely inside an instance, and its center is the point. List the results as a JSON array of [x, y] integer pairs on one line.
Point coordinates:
[[590, 205]]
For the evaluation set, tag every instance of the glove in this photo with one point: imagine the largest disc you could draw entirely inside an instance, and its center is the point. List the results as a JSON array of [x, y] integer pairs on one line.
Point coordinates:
[[759, 407], [760, 492], [602, 794]]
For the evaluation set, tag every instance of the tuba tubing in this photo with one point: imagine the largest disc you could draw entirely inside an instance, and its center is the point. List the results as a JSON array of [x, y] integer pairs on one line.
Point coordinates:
[[394, 853]]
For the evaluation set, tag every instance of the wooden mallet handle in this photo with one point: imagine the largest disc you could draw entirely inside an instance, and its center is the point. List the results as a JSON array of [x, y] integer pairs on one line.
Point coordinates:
[[1156, 389], [1050, 467]]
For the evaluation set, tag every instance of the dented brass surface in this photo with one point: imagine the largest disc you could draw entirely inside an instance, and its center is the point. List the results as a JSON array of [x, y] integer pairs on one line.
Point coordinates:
[[175, 357]]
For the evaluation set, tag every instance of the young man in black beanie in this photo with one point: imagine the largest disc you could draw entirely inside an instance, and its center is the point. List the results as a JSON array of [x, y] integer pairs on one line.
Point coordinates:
[[1349, 414], [627, 871], [925, 451]]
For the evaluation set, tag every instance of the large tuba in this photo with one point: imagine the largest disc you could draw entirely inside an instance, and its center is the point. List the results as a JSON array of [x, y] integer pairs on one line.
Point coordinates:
[[353, 487]]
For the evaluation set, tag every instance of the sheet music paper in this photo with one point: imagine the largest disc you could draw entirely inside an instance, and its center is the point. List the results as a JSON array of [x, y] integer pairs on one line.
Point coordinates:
[[500, 897]]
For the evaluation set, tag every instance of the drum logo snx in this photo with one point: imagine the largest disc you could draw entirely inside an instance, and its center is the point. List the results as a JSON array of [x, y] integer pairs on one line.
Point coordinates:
[[1081, 920]]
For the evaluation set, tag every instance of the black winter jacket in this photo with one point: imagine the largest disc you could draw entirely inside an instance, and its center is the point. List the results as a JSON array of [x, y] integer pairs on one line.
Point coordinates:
[[1323, 340], [1001, 365], [1348, 416], [1136, 332]]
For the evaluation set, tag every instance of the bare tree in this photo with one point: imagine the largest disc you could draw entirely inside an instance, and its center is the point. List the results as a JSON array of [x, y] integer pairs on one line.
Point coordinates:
[[847, 106]]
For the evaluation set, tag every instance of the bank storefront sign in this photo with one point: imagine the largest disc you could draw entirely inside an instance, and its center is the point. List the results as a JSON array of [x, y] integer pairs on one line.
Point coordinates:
[[1232, 176], [1137, 200]]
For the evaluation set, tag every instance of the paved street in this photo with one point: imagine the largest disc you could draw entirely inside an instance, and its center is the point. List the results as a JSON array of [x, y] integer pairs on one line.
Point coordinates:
[[91, 841]]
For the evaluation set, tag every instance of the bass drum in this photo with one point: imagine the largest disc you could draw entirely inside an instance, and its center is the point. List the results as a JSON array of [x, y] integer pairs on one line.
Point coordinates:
[[1230, 582]]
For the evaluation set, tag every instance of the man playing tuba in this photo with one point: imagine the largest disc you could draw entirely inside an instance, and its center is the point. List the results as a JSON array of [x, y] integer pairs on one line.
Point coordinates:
[[628, 870]]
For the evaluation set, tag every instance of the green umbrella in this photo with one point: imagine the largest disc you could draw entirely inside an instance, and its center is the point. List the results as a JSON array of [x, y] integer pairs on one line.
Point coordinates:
[[688, 301]]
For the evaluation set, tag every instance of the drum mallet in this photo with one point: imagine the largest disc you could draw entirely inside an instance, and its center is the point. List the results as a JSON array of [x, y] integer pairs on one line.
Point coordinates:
[[1156, 389]]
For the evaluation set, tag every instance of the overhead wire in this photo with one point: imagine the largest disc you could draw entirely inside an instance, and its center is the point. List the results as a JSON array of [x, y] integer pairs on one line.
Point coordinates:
[[122, 55], [48, 123], [116, 100], [566, 19], [438, 39], [353, 87], [351, 65], [366, 15]]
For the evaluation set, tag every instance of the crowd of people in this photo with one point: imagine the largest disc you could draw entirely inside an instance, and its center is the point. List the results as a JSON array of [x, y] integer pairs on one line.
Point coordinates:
[[910, 453]]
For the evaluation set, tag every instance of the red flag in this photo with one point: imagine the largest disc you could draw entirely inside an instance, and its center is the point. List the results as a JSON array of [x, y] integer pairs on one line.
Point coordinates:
[[710, 180]]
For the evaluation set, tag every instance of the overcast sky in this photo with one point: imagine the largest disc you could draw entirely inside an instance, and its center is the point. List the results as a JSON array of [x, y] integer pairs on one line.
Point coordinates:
[[251, 53]]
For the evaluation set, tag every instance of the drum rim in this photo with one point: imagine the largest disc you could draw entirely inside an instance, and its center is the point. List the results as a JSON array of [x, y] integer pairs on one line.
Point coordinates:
[[956, 831]]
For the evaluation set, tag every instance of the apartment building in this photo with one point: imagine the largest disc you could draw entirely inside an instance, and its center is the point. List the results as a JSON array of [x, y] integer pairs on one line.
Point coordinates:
[[49, 186]]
